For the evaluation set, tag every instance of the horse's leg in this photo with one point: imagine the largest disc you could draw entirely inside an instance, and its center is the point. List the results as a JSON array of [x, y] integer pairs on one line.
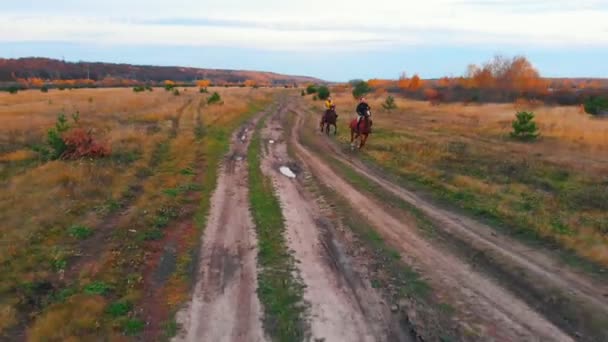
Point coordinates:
[[335, 129], [363, 140]]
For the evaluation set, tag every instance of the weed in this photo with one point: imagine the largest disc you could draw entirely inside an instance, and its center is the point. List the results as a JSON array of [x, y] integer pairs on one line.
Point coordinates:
[[187, 172], [80, 232], [97, 288], [153, 234], [119, 308], [132, 326], [171, 327]]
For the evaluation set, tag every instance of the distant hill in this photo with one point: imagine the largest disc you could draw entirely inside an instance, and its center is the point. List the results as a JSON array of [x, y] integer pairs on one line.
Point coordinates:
[[52, 69]]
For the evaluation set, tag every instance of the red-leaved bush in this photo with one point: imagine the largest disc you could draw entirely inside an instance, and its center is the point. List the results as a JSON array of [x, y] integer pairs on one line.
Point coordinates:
[[80, 143]]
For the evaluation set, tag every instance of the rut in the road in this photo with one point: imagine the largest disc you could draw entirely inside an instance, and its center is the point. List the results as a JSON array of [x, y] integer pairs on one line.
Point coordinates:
[[224, 305], [342, 306], [499, 314]]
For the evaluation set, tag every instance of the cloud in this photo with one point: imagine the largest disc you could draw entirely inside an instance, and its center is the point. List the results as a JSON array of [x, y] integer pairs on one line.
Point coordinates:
[[314, 25]]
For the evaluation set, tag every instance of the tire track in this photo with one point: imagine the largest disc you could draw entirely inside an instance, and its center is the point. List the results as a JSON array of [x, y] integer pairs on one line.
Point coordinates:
[[224, 305]]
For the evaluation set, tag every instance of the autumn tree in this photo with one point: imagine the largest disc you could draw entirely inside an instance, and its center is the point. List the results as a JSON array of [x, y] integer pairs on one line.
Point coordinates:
[[203, 83], [415, 83], [250, 83]]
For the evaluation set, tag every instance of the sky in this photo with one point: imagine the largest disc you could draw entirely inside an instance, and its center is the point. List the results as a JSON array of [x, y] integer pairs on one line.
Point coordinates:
[[333, 40]]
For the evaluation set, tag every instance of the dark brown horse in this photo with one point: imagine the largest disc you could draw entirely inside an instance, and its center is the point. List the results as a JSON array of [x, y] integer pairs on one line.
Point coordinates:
[[329, 119], [365, 128]]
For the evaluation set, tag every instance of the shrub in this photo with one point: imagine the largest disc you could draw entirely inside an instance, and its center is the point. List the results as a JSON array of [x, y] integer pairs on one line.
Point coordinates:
[[176, 92], [44, 89], [13, 90], [303, 93], [315, 98], [389, 104], [139, 89], [203, 91], [214, 98], [524, 127], [148, 88], [361, 88], [169, 87], [311, 89], [323, 92], [80, 143], [596, 105]]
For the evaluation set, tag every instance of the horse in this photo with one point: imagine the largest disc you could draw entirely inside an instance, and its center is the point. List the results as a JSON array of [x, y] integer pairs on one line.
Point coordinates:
[[365, 129], [329, 119]]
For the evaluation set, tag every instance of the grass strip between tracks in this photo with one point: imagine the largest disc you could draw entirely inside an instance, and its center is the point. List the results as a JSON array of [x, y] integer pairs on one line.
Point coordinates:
[[279, 289]]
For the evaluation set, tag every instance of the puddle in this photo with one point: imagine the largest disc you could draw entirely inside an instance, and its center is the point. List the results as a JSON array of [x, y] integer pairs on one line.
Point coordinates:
[[287, 172]]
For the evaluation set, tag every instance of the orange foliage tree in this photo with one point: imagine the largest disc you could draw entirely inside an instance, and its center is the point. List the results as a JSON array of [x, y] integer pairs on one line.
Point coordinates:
[[250, 83], [203, 83], [415, 83]]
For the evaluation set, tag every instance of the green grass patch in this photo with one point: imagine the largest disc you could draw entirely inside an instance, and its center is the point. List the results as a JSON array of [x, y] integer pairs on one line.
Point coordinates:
[[133, 326], [97, 288], [80, 232], [279, 291], [119, 308]]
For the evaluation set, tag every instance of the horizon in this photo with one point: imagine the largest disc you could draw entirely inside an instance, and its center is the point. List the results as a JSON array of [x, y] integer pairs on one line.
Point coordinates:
[[335, 42]]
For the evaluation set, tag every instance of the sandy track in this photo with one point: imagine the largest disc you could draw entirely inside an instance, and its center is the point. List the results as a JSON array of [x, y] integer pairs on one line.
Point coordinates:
[[498, 314], [342, 306], [225, 306]]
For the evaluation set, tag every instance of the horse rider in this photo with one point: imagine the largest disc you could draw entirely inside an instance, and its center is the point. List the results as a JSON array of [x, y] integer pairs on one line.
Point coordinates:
[[363, 110], [329, 105]]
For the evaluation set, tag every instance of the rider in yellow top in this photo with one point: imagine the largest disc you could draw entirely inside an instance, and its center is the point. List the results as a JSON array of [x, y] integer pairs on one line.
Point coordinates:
[[329, 103]]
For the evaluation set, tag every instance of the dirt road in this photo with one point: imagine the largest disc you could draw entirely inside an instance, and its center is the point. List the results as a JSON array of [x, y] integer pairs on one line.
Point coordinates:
[[224, 305], [342, 304]]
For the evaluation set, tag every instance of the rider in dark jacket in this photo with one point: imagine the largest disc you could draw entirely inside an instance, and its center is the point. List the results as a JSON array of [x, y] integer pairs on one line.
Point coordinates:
[[363, 110]]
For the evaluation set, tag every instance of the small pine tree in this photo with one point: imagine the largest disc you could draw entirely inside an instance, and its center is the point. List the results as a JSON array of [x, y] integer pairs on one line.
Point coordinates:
[[361, 88], [389, 104], [323, 92], [524, 127], [311, 89], [214, 98]]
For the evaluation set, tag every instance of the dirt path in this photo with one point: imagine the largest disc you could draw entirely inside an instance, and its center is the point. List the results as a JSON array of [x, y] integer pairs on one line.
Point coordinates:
[[488, 308], [342, 306], [224, 305]]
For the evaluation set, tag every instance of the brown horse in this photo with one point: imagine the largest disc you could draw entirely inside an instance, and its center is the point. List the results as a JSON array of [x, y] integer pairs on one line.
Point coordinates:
[[365, 129], [329, 119]]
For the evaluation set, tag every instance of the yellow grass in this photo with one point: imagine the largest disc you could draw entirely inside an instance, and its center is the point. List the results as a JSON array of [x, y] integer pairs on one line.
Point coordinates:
[[18, 155]]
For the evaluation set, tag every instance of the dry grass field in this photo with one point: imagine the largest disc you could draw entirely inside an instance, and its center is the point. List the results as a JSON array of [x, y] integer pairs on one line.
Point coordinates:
[[97, 247], [555, 188]]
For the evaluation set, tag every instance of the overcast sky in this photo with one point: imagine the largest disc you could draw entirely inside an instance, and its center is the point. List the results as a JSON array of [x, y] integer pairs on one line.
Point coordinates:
[[334, 40]]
